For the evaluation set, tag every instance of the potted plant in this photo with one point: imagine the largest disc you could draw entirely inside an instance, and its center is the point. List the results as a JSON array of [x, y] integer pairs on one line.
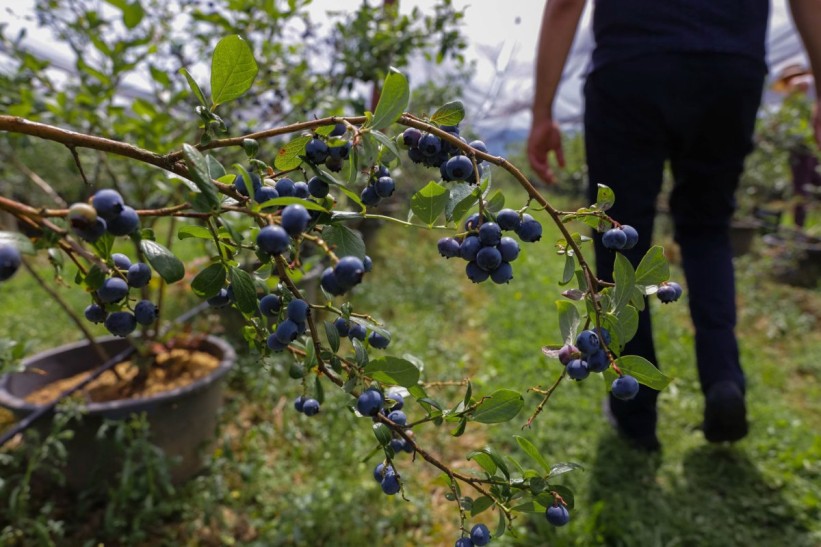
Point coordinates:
[[273, 217]]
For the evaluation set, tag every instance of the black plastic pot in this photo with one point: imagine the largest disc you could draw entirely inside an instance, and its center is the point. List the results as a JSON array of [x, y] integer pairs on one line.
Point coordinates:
[[183, 420]]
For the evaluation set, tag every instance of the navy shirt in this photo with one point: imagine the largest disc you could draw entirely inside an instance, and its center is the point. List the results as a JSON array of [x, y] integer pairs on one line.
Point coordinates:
[[626, 29]]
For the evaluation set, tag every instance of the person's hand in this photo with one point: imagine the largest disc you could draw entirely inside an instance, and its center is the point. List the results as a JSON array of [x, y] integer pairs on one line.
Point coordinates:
[[545, 137]]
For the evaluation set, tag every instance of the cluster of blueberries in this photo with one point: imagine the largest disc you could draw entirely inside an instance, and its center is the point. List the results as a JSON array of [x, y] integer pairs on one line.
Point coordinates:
[[487, 252], [354, 330], [669, 292], [10, 260], [318, 152], [372, 402], [430, 150], [107, 213], [114, 290], [589, 355], [306, 405], [479, 535], [380, 185], [345, 275]]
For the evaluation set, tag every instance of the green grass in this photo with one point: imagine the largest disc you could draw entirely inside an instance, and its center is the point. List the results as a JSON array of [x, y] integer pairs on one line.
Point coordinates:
[[279, 478]]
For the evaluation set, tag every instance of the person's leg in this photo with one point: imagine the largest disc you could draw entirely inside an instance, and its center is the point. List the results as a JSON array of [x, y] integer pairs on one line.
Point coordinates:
[[625, 147], [707, 158]]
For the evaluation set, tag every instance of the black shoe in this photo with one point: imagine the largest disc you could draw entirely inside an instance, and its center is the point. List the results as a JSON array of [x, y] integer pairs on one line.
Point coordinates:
[[725, 414], [642, 442]]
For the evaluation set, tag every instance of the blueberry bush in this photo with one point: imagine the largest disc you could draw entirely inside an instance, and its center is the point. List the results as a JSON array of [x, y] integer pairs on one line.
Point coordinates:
[[287, 211]]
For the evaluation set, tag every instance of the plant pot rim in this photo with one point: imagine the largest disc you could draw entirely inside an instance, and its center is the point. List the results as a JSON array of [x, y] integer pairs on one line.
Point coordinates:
[[19, 405]]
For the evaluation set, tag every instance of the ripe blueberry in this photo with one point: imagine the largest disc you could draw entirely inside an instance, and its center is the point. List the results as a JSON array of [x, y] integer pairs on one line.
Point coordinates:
[[508, 248], [398, 417], [368, 263], [588, 342], [411, 136], [298, 402], [429, 145], [480, 535], [138, 275], [459, 168], [503, 274], [577, 369], [398, 400], [349, 271], [265, 193], [95, 313], [121, 261], [448, 247], [390, 484], [112, 290], [145, 312], [342, 326], [598, 361], [369, 196], [339, 130], [463, 542], [470, 247], [488, 258], [508, 219], [295, 219], [10, 261], [285, 187], [125, 223], [241, 186], [378, 472], [108, 203], [121, 323], [330, 283], [316, 151], [378, 341], [557, 515], [334, 164], [310, 407], [475, 273], [632, 236], [490, 234], [614, 239], [270, 305], [669, 292], [625, 387], [357, 331], [287, 331], [384, 187], [370, 402], [529, 230], [275, 345], [93, 232], [318, 187], [301, 190], [479, 145], [273, 239], [339, 153], [298, 310]]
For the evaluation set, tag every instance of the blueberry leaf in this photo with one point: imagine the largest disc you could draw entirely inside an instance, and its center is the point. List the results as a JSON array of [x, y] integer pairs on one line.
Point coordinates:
[[605, 198], [209, 281], [393, 100], [195, 88], [502, 406], [344, 241], [233, 69], [393, 370], [290, 156], [643, 370], [163, 261], [625, 279], [430, 202], [653, 268], [530, 449], [244, 292], [199, 173], [449, 114]]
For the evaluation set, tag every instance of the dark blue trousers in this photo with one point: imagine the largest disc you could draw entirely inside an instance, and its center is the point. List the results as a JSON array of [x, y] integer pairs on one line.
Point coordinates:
[[696, 111]]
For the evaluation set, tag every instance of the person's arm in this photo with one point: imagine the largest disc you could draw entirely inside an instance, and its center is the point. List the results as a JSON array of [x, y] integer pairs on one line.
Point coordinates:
[[559, 23], [807, 17]]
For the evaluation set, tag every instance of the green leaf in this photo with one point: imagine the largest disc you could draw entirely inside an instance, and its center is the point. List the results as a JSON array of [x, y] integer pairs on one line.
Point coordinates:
[[333, 336], [562, 468], [501, 526], [625, 279], [449, 114], [393, 100], [484, 461], [289, 156], [569, 270], [163, 261], [195, 88], [530, 449], [496, 202], [312, 205], [643, 370], [566, 494], [388, 144], [393, 370], [461, 199], [344, 241], [430, 202], [568, 320], [382, 434], [480, 505], [132, 15], [361, 355], [192, 230], [94, 278], [502, 406], [209, 281], [233, 69], [215, 168], [244, 292], [199, 173], [605, 198], [653, 268]]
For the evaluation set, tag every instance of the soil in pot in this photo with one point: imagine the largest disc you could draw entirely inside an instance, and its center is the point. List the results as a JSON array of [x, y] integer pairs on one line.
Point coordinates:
[[171, 369]]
